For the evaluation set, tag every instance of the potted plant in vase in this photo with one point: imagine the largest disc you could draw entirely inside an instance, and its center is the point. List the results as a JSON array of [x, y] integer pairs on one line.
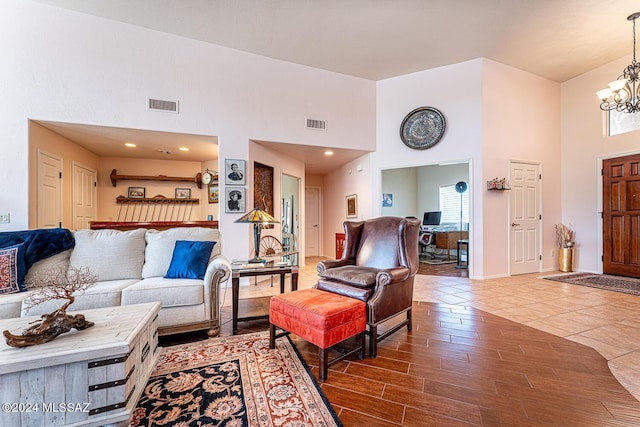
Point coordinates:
[[565, 238]]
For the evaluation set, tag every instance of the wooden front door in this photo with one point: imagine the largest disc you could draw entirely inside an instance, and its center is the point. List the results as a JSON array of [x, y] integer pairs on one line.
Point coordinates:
[[621, 216]]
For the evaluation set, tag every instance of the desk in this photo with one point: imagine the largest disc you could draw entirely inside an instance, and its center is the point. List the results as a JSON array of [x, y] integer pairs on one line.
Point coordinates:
[[449, 240], [237, 272]]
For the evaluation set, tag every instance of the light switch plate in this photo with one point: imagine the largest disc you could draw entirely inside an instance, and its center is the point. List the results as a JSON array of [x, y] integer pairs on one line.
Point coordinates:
[[5, 218]]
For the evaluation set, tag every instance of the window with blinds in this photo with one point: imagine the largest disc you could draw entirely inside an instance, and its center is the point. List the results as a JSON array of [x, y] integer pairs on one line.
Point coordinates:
[[450, 205]]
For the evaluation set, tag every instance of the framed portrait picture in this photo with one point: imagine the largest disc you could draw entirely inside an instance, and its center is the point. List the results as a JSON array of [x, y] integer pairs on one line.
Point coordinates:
[[214, 191], [352, 206], [135, 192], [234, 199], [387, 200], [234, 172], [183, 193]]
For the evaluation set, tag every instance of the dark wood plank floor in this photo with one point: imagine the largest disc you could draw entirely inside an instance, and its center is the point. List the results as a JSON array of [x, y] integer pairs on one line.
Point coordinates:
[[462, 366], [442, 270]]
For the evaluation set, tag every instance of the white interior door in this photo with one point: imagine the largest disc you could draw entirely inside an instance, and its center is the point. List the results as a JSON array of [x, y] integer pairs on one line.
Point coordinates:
[[312, 221], [525, 222], [49, 190], [84, 196]]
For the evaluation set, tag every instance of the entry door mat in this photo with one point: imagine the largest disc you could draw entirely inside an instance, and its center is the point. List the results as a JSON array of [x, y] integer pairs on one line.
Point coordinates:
[[627, 285]]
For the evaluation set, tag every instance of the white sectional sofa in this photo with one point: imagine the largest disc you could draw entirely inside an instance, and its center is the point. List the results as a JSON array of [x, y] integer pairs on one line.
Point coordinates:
[[130, 266]]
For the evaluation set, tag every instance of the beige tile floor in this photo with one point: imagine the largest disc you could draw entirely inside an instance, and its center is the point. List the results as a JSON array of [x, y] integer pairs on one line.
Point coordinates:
[[607, 321]]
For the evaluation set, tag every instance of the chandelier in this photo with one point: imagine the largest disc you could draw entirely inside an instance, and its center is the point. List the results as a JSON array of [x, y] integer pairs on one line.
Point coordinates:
[[623, 94]]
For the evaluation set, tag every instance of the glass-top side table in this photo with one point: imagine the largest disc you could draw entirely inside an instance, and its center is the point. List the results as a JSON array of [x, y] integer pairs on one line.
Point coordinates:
[[271, 268]]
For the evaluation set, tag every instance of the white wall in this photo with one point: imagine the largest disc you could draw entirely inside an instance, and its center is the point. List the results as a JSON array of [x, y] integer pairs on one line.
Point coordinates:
[[456, 91], [402, 184], [354, 177], [584, 145], [69, 67], [521, 121], [494, 114]]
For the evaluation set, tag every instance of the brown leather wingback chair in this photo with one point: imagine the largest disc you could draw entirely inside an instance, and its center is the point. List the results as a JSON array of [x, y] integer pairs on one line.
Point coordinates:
[[378, 265]]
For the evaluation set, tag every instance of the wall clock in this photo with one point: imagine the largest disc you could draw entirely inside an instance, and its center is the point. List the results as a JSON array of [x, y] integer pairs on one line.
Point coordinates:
[[207, 177], [422, 128]]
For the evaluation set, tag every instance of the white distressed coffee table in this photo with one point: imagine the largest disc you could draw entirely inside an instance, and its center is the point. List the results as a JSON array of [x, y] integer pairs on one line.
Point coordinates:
[[82, 378]]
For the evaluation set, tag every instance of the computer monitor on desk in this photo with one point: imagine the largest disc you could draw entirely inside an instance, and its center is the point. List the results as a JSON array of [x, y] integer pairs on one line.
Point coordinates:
[[431, 219]]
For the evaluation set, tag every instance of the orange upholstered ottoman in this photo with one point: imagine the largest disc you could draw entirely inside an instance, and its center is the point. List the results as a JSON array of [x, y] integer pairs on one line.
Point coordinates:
[[320, 317]]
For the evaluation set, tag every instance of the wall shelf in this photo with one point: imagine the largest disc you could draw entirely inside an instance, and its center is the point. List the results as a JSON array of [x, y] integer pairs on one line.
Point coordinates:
[[155, 209], [157, 225], [115, 178], [157, 199], [498, 184]]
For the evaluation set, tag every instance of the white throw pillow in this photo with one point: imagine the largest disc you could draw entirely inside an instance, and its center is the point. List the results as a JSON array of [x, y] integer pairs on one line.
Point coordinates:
[[110, 254], [160, 246], [58, 261]]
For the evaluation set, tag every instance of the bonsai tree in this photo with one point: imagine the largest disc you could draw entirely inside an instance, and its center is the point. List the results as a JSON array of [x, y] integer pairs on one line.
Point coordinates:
[[57, 283]]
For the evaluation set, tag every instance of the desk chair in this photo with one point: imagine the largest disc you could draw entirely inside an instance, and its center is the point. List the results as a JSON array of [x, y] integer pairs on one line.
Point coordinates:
[[427, 241]]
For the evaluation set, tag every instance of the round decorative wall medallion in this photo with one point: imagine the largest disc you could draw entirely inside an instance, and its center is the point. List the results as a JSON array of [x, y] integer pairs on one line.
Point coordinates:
[[422, 128]]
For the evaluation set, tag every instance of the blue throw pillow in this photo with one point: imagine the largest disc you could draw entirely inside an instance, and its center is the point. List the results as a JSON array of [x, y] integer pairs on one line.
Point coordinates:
[[190, 259], [12, 269]]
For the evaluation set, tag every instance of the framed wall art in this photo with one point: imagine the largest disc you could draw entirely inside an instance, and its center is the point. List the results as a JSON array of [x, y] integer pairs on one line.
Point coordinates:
[[234, 172], [183, 193], [352, 206], [135, 192], [234, 199], [214, 191], [263, 187]]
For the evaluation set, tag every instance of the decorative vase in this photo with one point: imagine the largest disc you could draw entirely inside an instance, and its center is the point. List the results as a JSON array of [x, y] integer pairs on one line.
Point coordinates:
[[565, 259]]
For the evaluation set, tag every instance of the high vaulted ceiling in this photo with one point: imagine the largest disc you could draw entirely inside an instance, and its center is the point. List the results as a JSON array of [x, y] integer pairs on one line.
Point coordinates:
[[379, 39]]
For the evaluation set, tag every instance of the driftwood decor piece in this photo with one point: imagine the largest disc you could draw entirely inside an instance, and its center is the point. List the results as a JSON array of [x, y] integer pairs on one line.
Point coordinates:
[[51, 285], [51, 325]]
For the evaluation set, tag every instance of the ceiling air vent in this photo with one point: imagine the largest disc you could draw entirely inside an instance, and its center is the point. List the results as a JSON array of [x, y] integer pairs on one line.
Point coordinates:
[[163, 105], [316, 124]]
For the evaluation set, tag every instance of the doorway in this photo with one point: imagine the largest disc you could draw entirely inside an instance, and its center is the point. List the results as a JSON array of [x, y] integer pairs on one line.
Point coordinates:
[[312, 221], [290, 187], [84, 196], [524, 218], [621, 216], [418, 190]]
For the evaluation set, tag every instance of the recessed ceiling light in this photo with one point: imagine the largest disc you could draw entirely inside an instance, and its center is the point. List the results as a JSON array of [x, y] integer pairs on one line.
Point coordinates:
[[183, 148], [129, 144], [328, 153]]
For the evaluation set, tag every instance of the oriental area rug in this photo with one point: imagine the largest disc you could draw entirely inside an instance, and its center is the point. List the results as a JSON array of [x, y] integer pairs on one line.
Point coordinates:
[[627, 285], [233, 381]]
